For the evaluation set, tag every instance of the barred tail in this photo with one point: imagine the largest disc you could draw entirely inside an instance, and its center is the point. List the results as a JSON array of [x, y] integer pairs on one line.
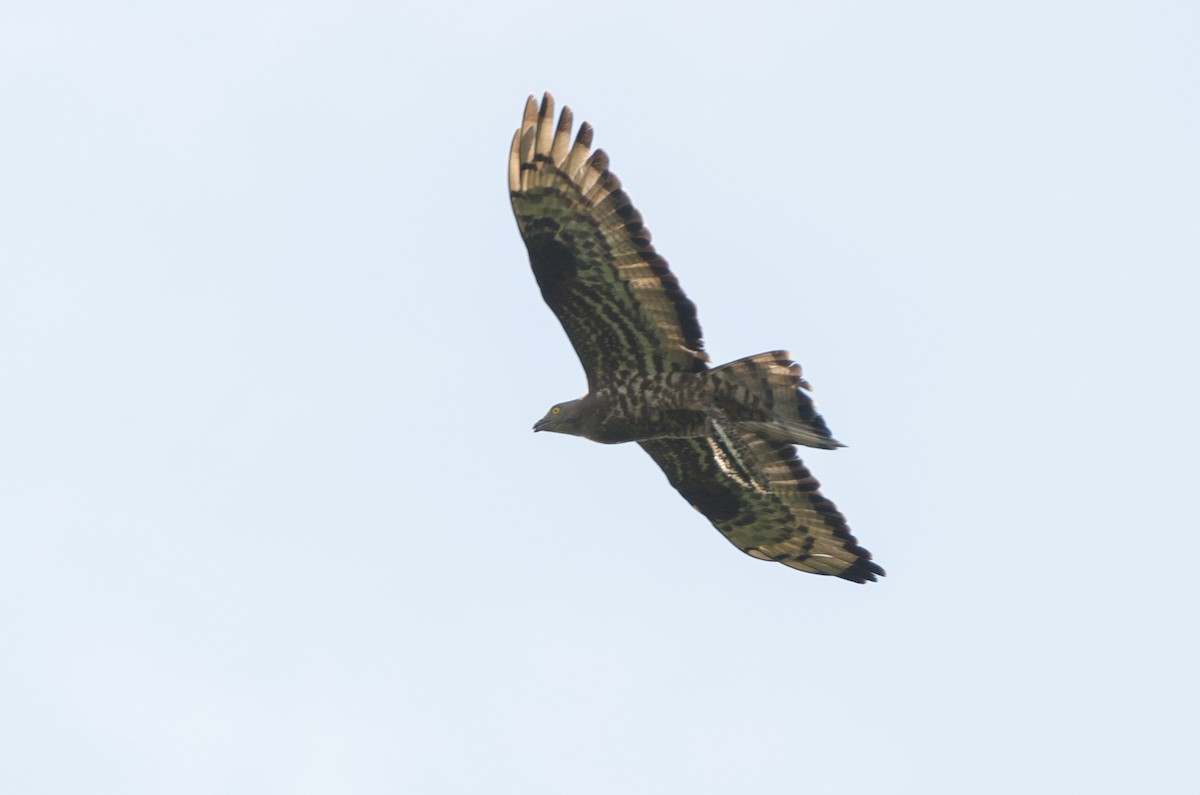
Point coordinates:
[[767, 394]]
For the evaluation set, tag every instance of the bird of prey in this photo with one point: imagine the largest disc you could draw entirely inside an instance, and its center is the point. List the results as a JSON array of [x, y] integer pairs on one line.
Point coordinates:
[[723, 436]]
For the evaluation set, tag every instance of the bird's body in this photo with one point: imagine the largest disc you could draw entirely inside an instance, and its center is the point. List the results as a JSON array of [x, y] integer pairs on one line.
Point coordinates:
[[681, 405], [635, 411], [723, 436]]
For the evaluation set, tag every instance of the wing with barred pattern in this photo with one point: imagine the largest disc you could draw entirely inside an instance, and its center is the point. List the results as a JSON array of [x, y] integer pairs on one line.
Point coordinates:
[[619, 303], [765, 501]]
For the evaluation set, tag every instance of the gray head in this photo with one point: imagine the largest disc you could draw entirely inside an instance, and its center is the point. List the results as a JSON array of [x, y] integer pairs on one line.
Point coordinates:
[[563, 418]]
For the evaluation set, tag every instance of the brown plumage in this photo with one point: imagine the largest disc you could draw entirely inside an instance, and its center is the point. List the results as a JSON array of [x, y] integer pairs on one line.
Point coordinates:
[[723, 436]]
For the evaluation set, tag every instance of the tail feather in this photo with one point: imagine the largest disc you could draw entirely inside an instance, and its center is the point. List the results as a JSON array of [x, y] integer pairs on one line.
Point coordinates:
[[767, 394]]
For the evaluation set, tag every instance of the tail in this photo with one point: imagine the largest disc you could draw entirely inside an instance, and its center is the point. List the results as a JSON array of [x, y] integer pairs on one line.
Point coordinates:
[[767, 394]]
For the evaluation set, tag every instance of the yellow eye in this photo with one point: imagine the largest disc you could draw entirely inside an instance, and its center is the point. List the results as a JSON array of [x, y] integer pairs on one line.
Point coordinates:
[[555, 410]]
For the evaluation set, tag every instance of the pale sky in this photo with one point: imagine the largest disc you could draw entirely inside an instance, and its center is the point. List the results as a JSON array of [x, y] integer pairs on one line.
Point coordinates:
[[272, 518]]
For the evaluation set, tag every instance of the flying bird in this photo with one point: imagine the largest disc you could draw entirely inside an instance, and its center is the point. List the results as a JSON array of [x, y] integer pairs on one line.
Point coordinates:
[[724, 436]]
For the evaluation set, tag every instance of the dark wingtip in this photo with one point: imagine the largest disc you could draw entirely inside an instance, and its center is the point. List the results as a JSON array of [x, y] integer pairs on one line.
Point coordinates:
[[863, 571], [584, 136]]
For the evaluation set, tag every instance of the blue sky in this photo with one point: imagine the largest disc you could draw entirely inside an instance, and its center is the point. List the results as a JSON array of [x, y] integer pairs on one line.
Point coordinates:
[[272, 518]]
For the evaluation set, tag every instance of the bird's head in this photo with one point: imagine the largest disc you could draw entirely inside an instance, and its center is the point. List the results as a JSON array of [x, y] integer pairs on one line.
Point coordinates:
[[562, 418]]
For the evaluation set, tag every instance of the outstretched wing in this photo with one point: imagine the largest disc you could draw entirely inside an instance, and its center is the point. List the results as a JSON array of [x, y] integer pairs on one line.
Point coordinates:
[[765, 501], [620, 305]]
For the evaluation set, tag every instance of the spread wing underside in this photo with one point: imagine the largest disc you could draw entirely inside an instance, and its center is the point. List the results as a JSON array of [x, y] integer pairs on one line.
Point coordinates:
[[764, 500], [620, 305]]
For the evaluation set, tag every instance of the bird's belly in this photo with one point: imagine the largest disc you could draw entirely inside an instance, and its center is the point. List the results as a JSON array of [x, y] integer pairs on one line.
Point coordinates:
[[661, 424]]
